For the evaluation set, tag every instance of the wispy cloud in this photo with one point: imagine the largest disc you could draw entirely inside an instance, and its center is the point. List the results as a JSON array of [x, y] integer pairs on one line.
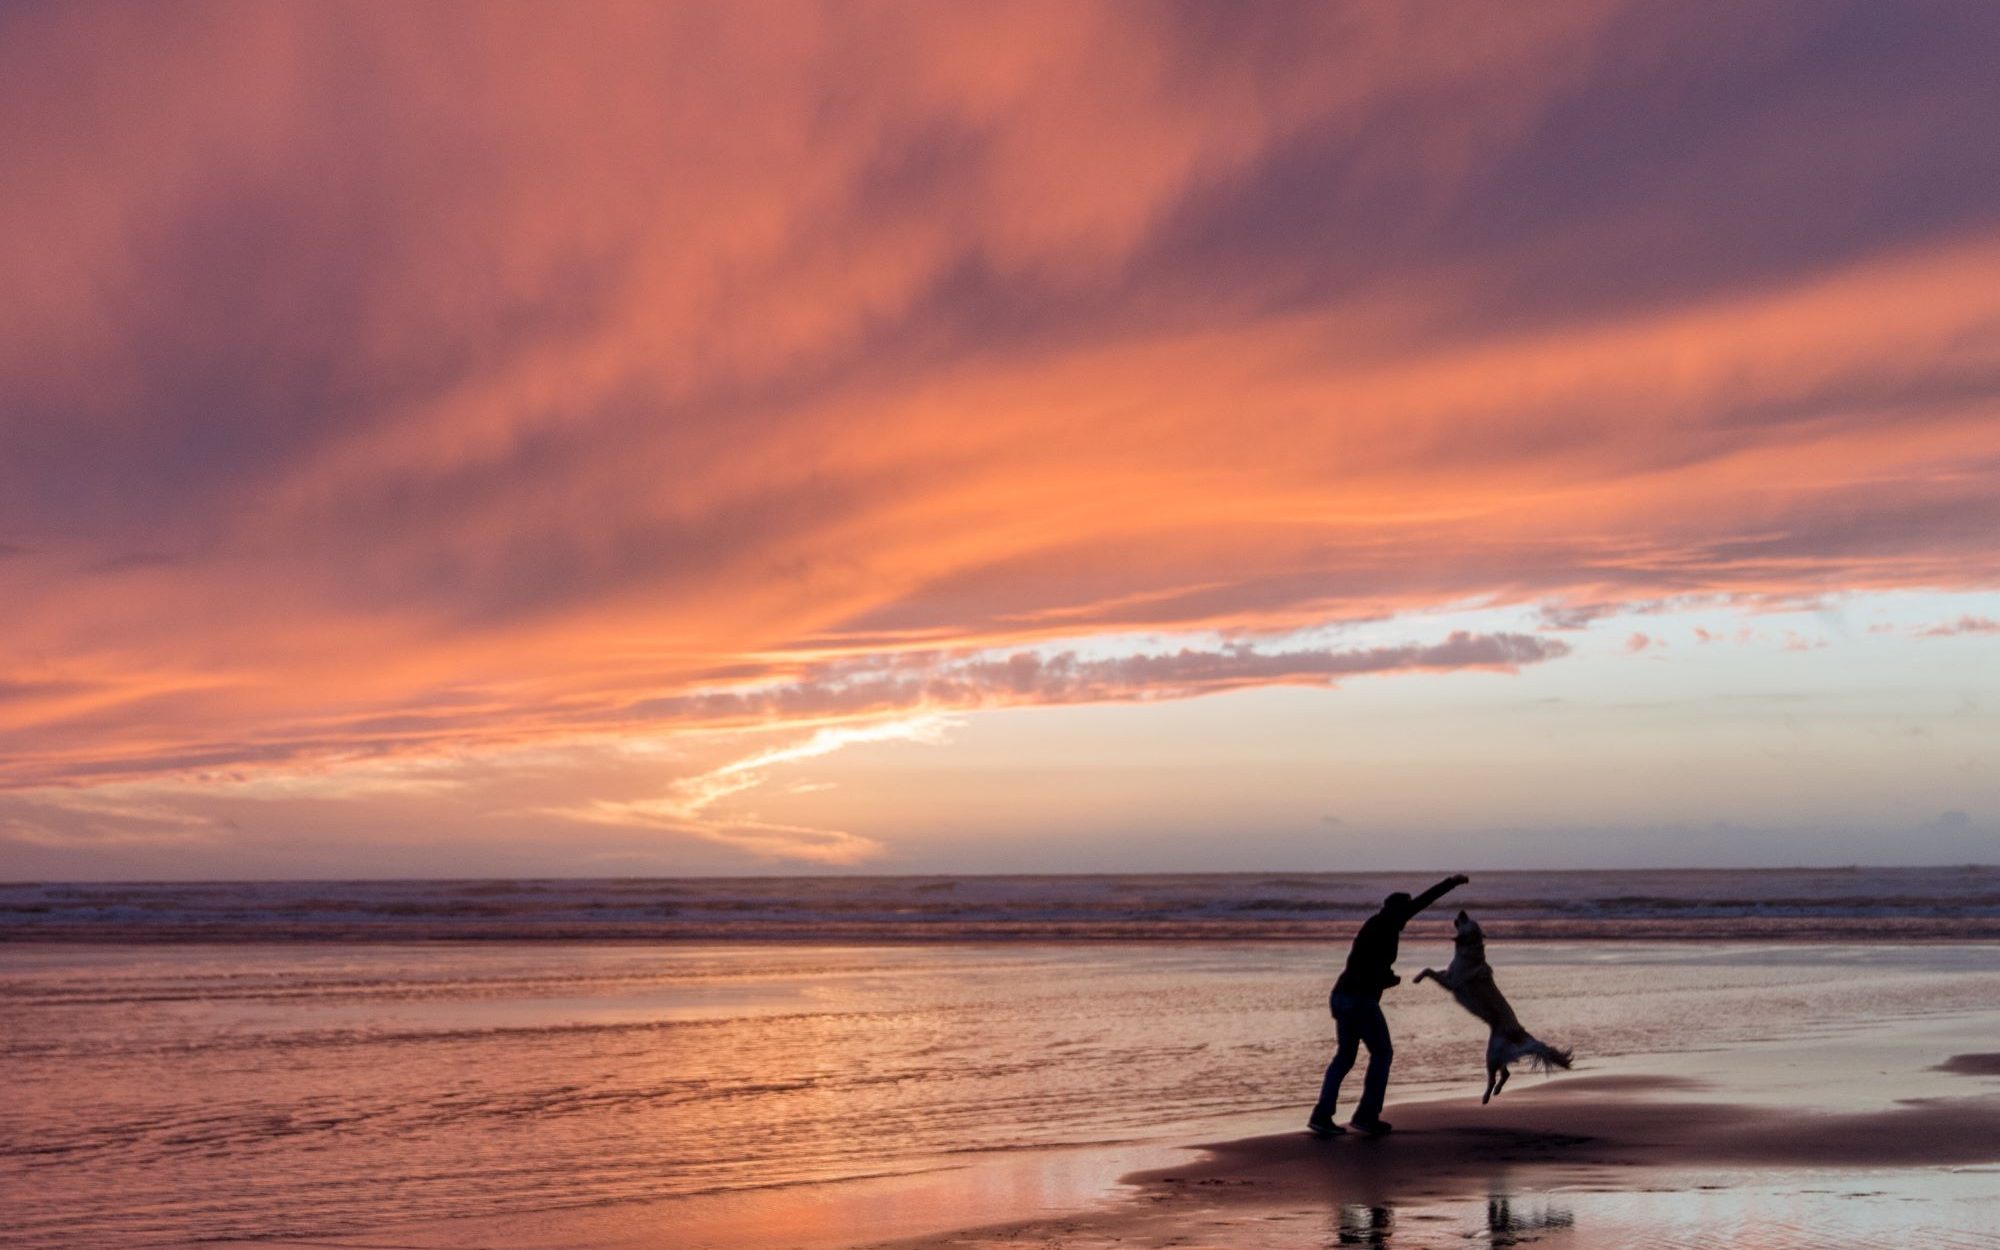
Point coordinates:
[[623, 367], [963, 682], [690, 807], [1967, 624], [113, 817]]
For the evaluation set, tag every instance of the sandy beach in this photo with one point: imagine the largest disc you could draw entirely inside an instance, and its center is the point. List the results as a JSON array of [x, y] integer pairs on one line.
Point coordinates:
[[1864, 1133], [1853, 1141], [1864, 1138], [942, 1093]]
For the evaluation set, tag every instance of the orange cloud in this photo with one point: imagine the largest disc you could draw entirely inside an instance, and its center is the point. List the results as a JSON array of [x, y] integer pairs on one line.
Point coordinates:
[[401, 381]]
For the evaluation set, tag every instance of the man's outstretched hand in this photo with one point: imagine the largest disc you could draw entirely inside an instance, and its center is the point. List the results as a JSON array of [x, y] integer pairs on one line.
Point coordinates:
[[1435, 893]]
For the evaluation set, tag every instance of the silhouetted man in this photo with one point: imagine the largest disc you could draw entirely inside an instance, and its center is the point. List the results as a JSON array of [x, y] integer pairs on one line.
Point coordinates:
[[1356, 1003]]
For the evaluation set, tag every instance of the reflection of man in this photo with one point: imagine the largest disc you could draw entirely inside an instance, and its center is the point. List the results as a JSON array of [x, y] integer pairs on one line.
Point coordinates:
[[1356, 1003], [1363, 1225]]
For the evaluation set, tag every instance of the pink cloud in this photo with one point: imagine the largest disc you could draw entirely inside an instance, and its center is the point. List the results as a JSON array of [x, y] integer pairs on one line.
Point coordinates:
[[1967, 624], [360, 403]]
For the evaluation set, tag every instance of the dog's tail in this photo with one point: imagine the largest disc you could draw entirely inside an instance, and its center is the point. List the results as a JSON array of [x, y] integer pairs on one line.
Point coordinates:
[[1543, 1057]]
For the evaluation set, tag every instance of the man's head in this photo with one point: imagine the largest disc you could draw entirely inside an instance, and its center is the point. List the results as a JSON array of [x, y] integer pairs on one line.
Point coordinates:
[[1397, 904]]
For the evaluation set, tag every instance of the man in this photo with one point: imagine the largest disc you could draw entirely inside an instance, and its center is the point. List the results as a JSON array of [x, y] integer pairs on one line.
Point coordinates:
[[1356, 1003]]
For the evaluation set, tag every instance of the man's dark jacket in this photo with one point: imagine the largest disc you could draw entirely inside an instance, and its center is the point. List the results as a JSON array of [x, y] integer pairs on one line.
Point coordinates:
[[1371, 964]]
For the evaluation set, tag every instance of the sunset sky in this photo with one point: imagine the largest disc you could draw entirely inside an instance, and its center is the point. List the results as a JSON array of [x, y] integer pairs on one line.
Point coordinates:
[[490, 439]]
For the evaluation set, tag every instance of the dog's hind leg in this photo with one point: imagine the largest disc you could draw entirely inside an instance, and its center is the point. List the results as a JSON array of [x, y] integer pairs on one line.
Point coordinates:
[[1488, 1095], [1504, 1074]]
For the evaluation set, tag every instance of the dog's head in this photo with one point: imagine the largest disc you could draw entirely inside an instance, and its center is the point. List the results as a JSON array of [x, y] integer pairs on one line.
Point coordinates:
[[1469, 935]]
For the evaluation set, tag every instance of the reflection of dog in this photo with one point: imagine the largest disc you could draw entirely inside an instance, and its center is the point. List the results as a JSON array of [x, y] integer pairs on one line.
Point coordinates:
[[1470, 980]]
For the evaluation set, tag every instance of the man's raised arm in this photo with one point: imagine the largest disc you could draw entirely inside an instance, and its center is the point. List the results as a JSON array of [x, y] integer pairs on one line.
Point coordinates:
[[1437, 892]]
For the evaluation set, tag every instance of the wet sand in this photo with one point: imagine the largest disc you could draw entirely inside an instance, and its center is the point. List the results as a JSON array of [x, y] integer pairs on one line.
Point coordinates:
[[1972, 1065], [1597, 1161], [1885, 1134], [1576, 1136], [755, 1095], [1794, 1181]]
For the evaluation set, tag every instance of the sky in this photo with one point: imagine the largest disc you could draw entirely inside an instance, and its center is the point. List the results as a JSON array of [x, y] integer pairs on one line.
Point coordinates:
[[606, 440]]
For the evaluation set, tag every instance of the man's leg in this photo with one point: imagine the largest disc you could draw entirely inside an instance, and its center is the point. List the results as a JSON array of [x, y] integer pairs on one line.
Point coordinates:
[[1373, 1028], [1347, 1045]]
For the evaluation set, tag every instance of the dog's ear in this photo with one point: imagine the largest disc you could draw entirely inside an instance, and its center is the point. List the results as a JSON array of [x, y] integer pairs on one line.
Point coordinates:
[[1462, 917]]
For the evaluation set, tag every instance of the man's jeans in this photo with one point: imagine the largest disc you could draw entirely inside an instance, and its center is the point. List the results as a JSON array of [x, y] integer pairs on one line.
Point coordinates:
[[1357, 1022]]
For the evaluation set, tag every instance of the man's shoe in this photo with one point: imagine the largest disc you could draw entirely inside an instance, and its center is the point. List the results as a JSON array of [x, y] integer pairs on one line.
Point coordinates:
[[1324, 1128], [1374, 1128]]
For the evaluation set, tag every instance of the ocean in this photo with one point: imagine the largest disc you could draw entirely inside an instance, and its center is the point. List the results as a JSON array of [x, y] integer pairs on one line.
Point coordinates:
[[312, 1064], [1701, 905]]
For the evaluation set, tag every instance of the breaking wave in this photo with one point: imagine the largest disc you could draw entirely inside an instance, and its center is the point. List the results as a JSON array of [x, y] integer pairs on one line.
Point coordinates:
[[1905, 903]]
